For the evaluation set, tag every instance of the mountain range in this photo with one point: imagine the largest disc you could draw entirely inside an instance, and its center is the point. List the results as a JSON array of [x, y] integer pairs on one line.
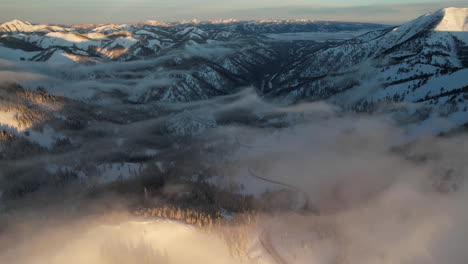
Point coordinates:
[[221, 56]]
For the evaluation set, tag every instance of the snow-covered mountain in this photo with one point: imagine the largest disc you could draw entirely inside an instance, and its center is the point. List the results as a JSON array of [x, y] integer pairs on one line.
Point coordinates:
[[423, 63], [129, 42], [205, 59]]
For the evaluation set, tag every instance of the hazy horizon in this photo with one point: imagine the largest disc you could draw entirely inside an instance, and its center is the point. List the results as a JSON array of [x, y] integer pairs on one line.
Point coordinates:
[[126, 11]]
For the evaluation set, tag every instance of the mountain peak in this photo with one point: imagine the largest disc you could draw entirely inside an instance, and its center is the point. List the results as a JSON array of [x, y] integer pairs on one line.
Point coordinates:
[[454, 19], [16, 22], [15, 25]]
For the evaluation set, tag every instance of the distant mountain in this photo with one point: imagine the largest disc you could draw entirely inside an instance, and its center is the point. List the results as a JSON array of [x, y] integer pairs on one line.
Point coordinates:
[[251, 26], [129, 42], [218, 57], [18, 26]]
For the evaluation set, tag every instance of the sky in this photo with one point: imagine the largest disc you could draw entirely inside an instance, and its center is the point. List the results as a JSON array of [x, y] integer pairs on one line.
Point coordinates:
[[131, 11]]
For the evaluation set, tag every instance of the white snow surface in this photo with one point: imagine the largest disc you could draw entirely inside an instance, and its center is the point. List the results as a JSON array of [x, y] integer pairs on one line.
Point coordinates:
[[454, 20]]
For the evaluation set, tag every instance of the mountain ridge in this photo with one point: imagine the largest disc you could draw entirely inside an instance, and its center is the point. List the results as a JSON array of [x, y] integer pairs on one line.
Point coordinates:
[[18, 26], [456, 14]]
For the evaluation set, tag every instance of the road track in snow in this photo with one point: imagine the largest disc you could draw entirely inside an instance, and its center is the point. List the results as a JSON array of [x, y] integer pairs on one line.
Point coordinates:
[[266, 243], [305, 204]]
